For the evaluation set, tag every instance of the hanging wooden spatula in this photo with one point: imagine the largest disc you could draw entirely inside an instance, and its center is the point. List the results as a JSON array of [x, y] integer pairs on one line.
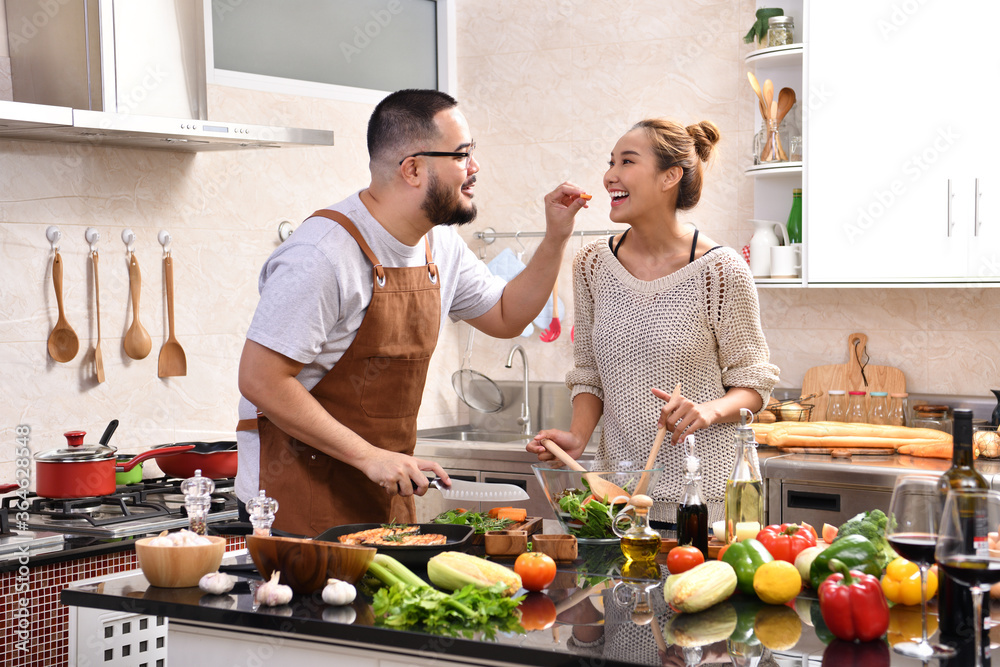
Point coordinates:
[[98, 355], [172, 361], [600, 487]]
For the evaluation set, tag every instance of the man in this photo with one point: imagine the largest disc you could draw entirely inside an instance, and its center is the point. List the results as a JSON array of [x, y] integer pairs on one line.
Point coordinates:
[[333, 369]]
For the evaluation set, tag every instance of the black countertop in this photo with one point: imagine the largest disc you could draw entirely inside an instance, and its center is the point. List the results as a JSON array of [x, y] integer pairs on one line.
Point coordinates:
[[597, 624]]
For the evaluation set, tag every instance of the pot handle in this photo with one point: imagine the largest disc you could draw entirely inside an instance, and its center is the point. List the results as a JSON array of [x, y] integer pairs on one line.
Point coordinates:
[[7, 488], [151, 454]]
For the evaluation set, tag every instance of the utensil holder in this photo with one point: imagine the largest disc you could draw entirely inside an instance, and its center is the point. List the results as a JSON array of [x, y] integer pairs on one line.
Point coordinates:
[[769, 143]]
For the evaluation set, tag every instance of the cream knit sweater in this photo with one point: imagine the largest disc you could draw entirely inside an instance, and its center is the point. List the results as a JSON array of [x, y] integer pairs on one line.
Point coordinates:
[[699, 326]]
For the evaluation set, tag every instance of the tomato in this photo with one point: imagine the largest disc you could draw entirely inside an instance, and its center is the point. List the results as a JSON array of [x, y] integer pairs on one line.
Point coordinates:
[[682, 559], [722, 551], [537, 570], [538, 611]]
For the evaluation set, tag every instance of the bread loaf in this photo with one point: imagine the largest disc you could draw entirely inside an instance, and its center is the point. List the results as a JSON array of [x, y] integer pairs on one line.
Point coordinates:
[[840, 434]]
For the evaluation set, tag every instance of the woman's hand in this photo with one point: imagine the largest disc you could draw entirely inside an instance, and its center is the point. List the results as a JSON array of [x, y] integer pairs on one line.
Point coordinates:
[[568, 442], [681, 416]]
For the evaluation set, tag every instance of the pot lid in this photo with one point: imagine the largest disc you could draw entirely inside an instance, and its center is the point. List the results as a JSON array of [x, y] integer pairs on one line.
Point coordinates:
[[77, 451]]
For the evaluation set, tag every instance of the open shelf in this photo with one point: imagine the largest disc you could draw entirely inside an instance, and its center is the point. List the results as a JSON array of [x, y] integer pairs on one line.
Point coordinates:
[[777, 55], [775, 169]]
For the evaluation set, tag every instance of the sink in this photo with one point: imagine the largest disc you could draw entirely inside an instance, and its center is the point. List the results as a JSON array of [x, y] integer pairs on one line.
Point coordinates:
[[464, 433]]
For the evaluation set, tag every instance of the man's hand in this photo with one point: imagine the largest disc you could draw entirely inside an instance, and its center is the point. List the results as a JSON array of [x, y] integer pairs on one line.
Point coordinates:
[[400, 474], [561, 207]]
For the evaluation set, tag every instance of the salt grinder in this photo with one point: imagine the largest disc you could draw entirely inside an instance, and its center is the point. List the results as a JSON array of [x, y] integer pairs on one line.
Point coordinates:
[[261, 510], [197, 498]]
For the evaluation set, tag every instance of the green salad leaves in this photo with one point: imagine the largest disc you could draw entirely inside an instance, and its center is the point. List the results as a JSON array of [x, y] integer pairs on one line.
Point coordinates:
[[588, 516], [481, 522]]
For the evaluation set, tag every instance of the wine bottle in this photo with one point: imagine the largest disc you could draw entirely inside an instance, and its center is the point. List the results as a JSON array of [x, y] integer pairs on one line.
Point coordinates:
[[794, 224], [954, 597], [692, 514]]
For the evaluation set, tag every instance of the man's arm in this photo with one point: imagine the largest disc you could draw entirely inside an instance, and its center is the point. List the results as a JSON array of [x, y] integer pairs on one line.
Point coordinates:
[[268, 379], [525, 296]]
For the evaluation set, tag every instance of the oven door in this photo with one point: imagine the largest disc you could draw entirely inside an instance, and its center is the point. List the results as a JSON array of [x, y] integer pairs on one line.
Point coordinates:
[[817, 504]]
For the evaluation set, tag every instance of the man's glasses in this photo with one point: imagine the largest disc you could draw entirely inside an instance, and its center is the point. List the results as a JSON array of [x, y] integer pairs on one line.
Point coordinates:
[[467, 155]]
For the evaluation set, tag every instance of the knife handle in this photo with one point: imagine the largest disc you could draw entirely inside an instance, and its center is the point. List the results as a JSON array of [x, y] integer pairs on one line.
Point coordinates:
[[433, 481]]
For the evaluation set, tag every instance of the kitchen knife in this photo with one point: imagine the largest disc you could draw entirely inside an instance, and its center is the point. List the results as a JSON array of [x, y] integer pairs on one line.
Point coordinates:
[[478, 491]]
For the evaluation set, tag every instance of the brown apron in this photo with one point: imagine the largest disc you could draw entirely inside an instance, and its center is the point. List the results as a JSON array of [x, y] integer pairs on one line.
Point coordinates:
[[375, 390]]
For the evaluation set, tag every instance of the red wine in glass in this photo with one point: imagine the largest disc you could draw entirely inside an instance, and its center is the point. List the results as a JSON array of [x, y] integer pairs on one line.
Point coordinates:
[[972, 570], [916, 547]]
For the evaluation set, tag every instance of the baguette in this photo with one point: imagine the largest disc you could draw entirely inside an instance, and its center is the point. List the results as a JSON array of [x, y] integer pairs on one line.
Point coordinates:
[[838, 434], [937, 451]]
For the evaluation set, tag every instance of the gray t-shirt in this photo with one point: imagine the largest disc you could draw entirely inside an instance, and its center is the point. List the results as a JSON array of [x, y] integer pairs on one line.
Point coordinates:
[[315, 289]]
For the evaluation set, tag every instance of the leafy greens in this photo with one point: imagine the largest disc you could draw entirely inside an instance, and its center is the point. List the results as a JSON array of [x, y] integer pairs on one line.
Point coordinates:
[[481, 522]]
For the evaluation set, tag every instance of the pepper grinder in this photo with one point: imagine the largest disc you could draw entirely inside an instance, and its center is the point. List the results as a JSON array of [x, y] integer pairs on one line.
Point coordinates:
[[197, 498], [261, 510]]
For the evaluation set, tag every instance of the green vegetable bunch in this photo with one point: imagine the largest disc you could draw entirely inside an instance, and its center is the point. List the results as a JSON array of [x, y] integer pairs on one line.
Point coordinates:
[[759, 28], [482, 523], [871, 526], [594, 516]]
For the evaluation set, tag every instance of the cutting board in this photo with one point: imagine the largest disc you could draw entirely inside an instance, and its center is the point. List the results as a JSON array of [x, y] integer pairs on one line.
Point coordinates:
[[820, 379], [840, 451], [531, 525], [713, 546]]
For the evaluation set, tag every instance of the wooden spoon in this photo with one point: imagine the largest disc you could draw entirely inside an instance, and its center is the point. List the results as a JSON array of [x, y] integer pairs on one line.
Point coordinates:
[[137, 342], [760, 95], [654, 451], [63, 341], [768, 91], [98, 355], [781, 155], [786, 99], [172, 361], [601, 487]]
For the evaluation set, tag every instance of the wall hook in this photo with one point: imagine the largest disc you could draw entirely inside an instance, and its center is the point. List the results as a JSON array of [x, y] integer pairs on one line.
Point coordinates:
[[92, 236], [53, 234], [128, 237], [164, 238], [285, 230]]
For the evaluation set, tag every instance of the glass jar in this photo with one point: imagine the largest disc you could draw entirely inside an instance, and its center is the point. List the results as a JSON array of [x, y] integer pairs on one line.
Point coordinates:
[[898, 415], [932, 416], [780, 31], [857, 412], [836, 405], [878, 411], [760, 142]]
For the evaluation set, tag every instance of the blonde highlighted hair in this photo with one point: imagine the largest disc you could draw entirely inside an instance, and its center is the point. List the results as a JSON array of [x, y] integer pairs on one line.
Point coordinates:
[[684, 147]]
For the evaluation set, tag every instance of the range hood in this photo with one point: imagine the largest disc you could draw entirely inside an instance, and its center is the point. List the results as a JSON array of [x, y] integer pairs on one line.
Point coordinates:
[[121, 73]]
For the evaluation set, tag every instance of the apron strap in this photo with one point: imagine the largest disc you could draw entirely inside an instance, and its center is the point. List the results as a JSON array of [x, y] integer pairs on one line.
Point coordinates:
[[346, 223]]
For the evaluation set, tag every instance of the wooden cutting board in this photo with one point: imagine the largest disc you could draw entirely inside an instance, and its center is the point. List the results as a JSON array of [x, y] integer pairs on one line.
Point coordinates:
[[849, 377], [840, 451]]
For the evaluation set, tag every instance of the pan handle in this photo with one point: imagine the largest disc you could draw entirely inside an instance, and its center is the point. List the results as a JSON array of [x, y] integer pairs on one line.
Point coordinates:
[[151, 454], [7, 488]]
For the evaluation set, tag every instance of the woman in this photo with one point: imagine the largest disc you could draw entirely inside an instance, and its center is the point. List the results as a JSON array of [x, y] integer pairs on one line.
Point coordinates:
[[659, 305]]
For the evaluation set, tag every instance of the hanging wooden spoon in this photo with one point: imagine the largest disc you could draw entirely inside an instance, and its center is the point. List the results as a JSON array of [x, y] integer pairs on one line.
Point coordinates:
[[172, 361], [137, 342], [654, 451], [600, 487], [98, 355], [63, 341]]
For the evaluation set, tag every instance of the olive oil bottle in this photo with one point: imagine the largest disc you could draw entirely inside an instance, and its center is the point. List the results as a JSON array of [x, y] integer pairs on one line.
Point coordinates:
[[639, 542], [744, 491]]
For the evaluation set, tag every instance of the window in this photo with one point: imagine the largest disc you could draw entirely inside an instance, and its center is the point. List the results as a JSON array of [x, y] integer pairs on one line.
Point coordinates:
[[355, 50]]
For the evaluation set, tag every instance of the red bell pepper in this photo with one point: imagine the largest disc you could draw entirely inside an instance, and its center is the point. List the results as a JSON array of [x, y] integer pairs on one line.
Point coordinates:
[[852, 654], [786, 541], [852, 604]]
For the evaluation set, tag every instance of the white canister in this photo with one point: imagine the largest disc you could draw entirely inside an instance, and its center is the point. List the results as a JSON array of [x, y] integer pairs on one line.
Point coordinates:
[[786, 261], [761, 243]]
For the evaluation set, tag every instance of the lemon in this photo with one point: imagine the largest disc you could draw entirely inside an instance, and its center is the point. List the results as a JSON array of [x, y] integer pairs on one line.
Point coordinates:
[[777, 582]]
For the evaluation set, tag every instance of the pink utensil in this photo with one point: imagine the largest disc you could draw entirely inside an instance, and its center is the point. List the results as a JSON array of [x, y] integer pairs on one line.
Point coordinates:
[[555, 328]]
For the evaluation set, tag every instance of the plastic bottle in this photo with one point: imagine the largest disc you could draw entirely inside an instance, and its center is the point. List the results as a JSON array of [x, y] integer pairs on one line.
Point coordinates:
[[744, 493]]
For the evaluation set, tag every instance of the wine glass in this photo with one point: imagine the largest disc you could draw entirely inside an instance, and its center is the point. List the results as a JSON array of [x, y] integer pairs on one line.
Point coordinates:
[[912, 530], [963, 546]]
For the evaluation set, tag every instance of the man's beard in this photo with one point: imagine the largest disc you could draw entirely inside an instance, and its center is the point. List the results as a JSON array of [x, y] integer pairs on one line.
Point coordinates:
[[443, 207]]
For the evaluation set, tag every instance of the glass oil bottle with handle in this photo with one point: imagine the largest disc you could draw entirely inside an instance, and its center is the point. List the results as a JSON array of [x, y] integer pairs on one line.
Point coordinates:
[[692, 513], [639, 542], [744, 492]]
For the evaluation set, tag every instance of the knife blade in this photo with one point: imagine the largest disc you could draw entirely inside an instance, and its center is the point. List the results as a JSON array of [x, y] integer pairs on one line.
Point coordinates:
[[478, 491]]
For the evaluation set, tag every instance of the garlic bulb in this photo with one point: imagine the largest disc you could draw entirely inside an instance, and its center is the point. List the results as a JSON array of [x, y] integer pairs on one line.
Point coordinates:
[[182, 538], [273, 594], [337, 592], [216, 583]]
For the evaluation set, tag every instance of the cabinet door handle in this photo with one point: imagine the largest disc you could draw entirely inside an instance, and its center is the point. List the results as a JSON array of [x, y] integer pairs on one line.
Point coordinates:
[[950, 197], [976, 220]]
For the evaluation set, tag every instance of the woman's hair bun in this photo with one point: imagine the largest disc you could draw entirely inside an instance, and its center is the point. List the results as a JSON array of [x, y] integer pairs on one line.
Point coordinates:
[[705, 135]]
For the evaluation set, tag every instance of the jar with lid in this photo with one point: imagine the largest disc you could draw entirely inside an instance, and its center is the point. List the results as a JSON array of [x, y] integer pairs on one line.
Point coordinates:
[[836, 405], [780, 31], [857, 412], [932, 416], [878, 411], [898, 413]]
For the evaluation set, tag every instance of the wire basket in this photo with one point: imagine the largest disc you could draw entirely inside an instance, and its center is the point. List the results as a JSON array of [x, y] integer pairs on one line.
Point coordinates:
[[795, 412]]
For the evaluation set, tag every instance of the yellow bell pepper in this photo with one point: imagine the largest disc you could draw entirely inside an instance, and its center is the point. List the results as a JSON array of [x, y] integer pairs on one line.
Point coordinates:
[[901, 582], [905, 624]]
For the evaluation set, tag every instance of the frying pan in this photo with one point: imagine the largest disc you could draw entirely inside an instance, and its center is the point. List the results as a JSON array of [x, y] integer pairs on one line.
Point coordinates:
[[216, 460]]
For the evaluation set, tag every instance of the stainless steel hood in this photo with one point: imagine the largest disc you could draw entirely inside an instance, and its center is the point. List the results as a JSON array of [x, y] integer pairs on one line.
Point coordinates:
[[121, 73]]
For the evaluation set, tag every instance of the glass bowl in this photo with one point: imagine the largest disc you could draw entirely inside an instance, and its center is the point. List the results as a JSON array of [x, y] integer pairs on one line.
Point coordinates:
[[568, 494]]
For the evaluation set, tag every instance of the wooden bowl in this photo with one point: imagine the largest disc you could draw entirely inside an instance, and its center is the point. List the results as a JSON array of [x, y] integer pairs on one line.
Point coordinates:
[[558, 547], [179, 567], [305, 565], [506, 542]]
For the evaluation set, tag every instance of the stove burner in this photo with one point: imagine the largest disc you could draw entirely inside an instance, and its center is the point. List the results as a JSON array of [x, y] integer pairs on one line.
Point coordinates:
[[67, 509]]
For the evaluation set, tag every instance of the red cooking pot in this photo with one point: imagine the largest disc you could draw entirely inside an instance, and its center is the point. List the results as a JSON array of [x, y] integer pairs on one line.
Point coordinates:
[[82, 470], [217, 460]]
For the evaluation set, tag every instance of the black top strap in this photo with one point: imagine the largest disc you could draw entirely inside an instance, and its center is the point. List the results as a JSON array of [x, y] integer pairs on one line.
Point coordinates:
[[694, 244], [614, 246]]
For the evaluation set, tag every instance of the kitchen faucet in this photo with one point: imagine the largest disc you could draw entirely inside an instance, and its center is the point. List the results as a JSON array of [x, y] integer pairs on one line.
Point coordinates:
[[525, 419]]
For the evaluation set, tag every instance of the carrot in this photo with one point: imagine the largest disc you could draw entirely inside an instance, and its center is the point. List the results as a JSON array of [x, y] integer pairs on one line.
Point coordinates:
[[515, 514], [493, 512], [584, 196]]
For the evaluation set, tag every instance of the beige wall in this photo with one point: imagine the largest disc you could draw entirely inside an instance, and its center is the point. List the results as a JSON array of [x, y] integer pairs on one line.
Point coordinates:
[[548, 88]]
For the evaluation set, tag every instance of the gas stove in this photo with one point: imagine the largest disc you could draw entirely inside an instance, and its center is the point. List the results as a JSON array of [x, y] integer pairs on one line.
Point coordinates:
[[147, 507]]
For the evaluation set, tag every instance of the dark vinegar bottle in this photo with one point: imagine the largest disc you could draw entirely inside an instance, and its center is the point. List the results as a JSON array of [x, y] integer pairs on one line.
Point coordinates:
[[692, 513], [955, 598]]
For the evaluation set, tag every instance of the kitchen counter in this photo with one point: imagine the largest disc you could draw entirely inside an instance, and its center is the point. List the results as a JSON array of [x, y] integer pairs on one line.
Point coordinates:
[[601, 623]]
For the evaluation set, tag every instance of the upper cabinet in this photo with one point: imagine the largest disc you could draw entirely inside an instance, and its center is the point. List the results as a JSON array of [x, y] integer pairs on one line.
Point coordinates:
[[899, 179]]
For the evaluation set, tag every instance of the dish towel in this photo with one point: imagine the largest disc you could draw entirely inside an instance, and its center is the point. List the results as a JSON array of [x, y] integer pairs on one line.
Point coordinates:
[[506, 265]]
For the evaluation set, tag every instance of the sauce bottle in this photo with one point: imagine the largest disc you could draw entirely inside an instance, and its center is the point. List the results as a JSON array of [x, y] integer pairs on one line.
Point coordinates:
[[744, 493], [692, 514], [639, 542]]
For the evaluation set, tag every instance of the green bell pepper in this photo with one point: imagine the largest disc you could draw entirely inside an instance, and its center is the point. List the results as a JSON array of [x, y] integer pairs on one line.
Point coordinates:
[[746, 557], [746, 615], [855, 551]]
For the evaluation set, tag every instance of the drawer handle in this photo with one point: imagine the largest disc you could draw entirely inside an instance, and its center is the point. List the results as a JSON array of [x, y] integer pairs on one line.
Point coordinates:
[[807, 500], [501, 480]]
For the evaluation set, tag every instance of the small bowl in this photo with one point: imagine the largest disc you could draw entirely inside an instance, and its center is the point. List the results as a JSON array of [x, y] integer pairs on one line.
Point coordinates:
[[792, 413], [305, 565], [558, 547], [506, 542], [557, 481], [180, 566]]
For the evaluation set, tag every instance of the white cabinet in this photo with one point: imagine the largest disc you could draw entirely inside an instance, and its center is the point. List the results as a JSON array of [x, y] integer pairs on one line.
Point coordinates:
[[896, 141]]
